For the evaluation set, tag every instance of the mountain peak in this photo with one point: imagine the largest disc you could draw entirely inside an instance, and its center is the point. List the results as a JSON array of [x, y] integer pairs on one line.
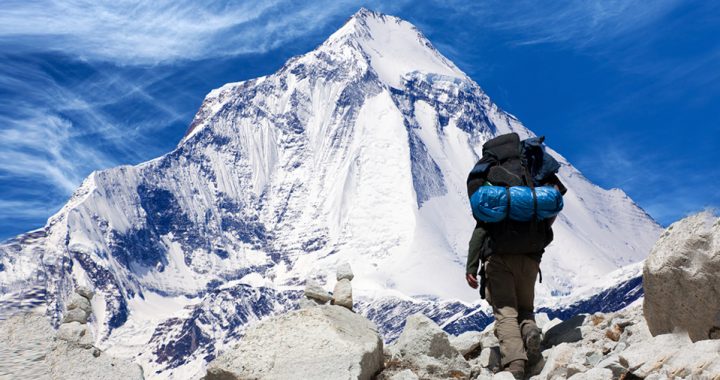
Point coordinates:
[[393, 46]]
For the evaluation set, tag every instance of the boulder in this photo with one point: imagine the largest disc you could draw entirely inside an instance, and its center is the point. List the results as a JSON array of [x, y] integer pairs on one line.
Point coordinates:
[[672, 353], [79, 302], [344, 272], [324, 342], [342, 294], [405, 375], [85, 292], [557, 360], [29, 351], [76, 315], [467, 342], [314, 291], [425, 347], [593, 374], [682, 288]]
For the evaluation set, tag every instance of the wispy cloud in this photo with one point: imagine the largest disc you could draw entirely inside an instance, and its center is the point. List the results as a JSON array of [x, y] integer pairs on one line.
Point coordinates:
[[135, 32]]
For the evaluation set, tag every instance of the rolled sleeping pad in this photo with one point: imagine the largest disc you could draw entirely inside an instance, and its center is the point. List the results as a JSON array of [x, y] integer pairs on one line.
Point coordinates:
[[490, 203]]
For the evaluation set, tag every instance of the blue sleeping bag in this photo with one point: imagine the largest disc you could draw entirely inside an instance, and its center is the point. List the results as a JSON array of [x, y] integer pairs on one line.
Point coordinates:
[[490, 203]]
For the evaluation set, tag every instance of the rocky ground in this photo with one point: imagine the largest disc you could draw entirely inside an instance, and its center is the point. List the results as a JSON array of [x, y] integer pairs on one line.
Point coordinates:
[[32, 349]]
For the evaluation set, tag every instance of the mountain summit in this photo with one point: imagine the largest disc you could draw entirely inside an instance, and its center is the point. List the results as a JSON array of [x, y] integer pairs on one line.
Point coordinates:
[[354, 152]]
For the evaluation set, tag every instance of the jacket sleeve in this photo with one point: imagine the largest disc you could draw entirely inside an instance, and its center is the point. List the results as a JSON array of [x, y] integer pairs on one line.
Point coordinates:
[[475, 249]]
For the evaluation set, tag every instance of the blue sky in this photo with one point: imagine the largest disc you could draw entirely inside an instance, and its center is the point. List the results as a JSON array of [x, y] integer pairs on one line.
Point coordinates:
[[628, 91]]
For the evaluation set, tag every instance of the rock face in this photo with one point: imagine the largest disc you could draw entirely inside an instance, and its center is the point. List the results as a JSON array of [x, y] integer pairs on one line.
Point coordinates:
[[680, 278], [30, 350], [426, 348], [323, 342]]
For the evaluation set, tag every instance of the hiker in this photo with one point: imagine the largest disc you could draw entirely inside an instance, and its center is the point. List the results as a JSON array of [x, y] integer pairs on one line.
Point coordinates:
[[507, 253]]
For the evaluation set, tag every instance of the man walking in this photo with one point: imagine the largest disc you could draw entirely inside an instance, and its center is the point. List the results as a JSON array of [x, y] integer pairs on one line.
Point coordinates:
[[507, 253]]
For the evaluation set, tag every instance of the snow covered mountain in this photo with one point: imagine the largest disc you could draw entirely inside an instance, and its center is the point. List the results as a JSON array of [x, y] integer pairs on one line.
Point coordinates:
[[356, 151]]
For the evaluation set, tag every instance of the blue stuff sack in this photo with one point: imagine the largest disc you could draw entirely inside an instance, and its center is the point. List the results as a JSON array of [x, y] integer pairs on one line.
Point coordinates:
[[490, 203]]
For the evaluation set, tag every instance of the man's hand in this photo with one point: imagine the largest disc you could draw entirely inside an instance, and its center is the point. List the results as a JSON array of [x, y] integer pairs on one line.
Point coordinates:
[[471, 280]]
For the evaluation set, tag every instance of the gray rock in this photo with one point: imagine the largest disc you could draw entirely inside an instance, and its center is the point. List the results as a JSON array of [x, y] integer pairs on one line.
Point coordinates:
[[85, 292], [324, 342], [547, 326], [557, 360], [304, 303], [72, 331], [593, 374], [642, 358], [594, 358], [314, 291], [682, 288], [29, 352], [503, 376], [613, 364], [424, 346], [574, 368], [566, 332], [342, 294], [490, 358], [405, 375], [467, 342], [76, 315], [344, 271], [79, 302]]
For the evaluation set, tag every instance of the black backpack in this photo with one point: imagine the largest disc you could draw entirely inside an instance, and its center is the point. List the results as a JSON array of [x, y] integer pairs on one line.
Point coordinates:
[[507, 161]]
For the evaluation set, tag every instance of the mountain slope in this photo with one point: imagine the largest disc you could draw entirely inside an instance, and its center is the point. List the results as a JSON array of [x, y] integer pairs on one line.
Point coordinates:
[[356, 151]]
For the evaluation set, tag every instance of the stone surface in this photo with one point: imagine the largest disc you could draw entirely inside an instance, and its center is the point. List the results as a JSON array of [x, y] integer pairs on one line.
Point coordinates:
[[557, 359], [85, 292], [490, 358], [680, 278], [29, 351], [71, 332], [427, 349], [593, 374], [342, 294], [304, 303], [467, 342], [324, 342], [314, 291], [549, 325], [76, 315], [77, 301], [405, 375], [541, 319], [503, 376], [344, 271]]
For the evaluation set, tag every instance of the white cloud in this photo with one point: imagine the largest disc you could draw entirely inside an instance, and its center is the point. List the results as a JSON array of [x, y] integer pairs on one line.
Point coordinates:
[[150, 32]]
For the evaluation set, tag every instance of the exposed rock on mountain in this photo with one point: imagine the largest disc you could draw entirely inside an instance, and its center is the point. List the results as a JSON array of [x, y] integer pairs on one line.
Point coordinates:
[[682, 279], [323, 342]]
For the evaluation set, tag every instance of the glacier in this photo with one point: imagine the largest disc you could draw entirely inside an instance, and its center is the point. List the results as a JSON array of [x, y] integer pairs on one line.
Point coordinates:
[[355, 152]]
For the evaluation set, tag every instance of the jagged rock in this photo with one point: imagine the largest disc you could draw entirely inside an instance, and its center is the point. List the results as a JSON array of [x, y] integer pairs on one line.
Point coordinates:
[[342, 294], [304, 303], [427, 349], [613, 364], [680, 278], [643, 358], [314, 291], [556, 362], [79, 302], [76, 315], [467, 342], [344, 272], [85, 292], [490, 358], [566, 332], [28, 351], [503, 376], [574, 368], [71, 332], [593, 374], [613, 333], [324, 342], [405, 375]]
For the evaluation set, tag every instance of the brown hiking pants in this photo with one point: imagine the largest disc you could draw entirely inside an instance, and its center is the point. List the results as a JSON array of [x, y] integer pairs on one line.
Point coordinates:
[[511, 292]]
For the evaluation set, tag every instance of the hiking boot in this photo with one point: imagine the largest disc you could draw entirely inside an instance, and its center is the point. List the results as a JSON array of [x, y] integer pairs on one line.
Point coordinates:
[[517, 369], [533, 338]]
